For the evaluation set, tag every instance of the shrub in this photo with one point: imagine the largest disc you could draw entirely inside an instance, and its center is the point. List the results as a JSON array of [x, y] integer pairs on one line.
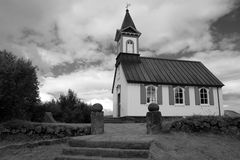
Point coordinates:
[[73, 109], [37, 112], [68, 109]]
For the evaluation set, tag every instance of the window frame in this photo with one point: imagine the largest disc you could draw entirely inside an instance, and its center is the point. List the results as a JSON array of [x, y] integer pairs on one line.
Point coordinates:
[[183, 98], [146, 87], [129, 40], [208, 98]]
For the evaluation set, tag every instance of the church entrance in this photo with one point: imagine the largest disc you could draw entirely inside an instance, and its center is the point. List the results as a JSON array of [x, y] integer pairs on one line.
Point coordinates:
[[119, 104]]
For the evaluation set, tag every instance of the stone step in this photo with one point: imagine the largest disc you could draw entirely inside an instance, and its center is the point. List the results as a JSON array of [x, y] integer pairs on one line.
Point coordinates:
[[106, 152], [125, 120], [117, 120], [110, 144], [94, 158]]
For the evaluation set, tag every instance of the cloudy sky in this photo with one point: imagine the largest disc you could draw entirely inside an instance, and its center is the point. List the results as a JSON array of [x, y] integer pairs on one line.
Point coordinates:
[[72, 41]]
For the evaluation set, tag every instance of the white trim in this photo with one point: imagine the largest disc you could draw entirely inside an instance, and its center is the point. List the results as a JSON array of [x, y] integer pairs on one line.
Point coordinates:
[[156, 88], [174, 91], [208, 98]]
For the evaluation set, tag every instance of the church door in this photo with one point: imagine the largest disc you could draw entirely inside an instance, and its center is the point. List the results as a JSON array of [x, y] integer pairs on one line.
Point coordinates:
[[119, 104]]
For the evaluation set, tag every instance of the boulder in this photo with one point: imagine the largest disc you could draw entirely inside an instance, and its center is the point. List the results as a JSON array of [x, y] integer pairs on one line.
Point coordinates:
[[97, 107], [153, 107]]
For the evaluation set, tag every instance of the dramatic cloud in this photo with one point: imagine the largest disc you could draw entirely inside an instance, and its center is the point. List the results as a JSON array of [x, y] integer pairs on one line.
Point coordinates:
[[72, 42], [91, 85]]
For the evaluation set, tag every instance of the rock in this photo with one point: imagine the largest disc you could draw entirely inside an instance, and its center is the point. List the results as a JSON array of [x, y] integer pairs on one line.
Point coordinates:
[[153, 107], [233, 130], [49, 130], [30, 133], [38, 129], [97, 107], [68, 131], [23, 130], [6, 130], [61, 135], [80, 130], [57, 130]]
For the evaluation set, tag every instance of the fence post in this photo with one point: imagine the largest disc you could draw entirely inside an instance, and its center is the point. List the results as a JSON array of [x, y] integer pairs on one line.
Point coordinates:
[[153, 119], [97, 119]]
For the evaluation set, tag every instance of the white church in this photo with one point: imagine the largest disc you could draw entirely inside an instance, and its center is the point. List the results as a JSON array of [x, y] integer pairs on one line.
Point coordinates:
[[179, 87]]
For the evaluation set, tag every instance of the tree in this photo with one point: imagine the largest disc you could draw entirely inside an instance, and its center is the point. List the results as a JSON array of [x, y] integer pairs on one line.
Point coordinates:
[[73, 109], [18, 86]]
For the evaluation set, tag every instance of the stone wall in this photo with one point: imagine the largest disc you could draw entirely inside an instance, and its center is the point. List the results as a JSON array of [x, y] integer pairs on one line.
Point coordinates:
[[225, 125], [52, 130]]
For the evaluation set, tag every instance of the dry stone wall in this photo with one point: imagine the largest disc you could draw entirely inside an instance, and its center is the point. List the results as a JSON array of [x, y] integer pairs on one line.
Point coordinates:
[[44, 129], [225, 125]]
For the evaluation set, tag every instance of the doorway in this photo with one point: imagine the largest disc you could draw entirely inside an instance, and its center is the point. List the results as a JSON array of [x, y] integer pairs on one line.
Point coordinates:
[[118, 101], [119, 104]]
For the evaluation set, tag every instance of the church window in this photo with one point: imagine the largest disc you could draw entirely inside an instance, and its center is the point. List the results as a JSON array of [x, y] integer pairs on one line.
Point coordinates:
[[203, 96], [178, 95], [129, 46], [151, 94]]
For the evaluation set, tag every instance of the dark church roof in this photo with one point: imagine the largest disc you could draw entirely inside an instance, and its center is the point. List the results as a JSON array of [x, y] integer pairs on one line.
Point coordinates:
[[149, 70]]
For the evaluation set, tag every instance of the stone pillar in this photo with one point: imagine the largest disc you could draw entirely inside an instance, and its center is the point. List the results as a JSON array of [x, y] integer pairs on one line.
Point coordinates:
[[97, 119], [153, 119]]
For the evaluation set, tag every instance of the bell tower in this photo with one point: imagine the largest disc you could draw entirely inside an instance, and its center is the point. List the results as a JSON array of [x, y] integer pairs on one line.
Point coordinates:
[[127, 37]]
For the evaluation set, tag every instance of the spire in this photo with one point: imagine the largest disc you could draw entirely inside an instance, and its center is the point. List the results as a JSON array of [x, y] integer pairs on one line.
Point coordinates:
[[128, 27], [127, 22]]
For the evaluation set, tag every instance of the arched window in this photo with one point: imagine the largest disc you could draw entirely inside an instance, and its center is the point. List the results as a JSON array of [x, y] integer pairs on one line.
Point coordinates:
[[151, 94], [129, 46], [178, 95], [203, 96]]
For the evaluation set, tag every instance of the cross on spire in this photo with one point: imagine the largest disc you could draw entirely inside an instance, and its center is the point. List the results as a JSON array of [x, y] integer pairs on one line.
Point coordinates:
[[128, 5]]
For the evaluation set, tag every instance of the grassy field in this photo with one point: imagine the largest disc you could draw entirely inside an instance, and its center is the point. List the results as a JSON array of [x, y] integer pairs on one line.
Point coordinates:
[[185, 146], [168, 146]]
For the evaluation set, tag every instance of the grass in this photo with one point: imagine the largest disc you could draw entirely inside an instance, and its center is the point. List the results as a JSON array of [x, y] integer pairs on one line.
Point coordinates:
[[182, 146]]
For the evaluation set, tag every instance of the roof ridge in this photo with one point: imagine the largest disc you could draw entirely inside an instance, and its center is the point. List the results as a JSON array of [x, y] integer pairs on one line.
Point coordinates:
[[168, 59]]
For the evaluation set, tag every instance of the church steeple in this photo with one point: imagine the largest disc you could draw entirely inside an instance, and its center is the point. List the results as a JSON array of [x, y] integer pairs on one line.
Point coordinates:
[[127, 36], [128, 22]]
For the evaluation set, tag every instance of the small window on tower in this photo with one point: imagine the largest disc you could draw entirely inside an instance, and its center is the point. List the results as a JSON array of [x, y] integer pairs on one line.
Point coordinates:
[[130, 46]]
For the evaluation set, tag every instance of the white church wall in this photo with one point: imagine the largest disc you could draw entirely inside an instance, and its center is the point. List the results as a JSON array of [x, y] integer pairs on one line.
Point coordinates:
[[120, 80], [137, 109], [133, 104]]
